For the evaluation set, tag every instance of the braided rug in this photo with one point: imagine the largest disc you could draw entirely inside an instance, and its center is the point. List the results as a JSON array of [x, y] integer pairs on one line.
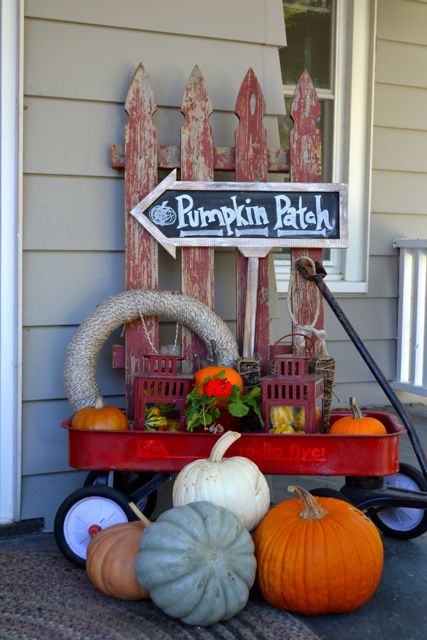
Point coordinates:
[[45, 597]]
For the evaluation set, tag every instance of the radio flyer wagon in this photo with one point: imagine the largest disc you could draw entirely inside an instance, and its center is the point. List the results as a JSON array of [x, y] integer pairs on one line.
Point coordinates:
[[126, 468]]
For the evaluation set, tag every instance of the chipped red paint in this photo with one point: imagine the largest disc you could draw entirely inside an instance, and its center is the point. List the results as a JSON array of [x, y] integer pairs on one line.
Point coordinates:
[[169, 157], [140, 247], [118, 356], [197, 163], [252, 166], [306, 166]]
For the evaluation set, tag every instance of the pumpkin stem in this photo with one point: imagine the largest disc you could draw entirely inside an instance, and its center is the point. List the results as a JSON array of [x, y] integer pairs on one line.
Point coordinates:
[[355, 409], [311, 508], [99, 403], [139, 514], [220, 447]]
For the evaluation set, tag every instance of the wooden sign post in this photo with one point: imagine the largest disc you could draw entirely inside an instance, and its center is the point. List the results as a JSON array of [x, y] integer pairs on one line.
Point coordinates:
[[253, 217]]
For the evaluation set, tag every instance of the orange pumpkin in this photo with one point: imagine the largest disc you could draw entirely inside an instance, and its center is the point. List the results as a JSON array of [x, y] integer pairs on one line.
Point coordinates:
[[110, 560], [357, 423], [229, 374], [325, 558], [100, 417]]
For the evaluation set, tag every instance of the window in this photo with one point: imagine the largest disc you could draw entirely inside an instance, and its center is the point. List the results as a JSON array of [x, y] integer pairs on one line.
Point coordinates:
[[334, 41]]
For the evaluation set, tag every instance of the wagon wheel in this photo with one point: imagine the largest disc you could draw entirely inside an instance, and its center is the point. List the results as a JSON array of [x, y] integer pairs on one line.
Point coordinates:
[[83, 514], [403, 522], [128, 482]]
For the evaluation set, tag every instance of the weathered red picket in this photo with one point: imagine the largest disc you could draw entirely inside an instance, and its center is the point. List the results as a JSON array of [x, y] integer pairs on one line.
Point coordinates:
[[198, 158], [252, 166], [197, 163], [306, 166], [140, 247]]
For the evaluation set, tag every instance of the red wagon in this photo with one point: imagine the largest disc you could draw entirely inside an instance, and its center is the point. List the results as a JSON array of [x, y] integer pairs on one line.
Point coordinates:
[[128, 467]]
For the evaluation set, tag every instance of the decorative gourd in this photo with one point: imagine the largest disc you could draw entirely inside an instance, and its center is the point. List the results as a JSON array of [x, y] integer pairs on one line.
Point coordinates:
[[198, 563], [100, 417], [357, 424], [234, 483], [281, 415], [229, 374], [325, 558], [110, 560]]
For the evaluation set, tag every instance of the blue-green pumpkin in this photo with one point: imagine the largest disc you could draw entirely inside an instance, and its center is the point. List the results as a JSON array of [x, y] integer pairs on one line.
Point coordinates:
[[198, 563]]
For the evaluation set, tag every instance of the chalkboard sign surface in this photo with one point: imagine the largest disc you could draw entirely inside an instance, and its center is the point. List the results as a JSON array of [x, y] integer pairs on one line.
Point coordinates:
[[239, 214]]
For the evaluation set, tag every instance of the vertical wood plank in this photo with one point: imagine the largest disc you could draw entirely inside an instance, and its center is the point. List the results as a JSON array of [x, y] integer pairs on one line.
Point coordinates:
[[252, 166], [197, 163], [141, 249], [306, 166]]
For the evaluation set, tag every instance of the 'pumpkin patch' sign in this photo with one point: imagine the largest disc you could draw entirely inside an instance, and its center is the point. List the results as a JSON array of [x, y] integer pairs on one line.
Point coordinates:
[[240, 214]]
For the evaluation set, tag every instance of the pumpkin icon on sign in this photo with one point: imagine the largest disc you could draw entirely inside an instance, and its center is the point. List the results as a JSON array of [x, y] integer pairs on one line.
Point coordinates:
[[162, 215]]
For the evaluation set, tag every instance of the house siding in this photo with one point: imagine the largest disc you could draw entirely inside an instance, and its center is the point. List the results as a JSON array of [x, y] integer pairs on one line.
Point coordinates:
[[399, 204], [79, 59]]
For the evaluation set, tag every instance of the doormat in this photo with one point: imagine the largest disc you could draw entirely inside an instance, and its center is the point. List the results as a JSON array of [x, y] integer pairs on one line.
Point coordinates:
[[45, 597]]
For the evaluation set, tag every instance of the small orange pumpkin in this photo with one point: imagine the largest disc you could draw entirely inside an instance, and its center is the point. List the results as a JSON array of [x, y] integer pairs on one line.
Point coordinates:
[[229, 374], [326, 558], [357, 423], [100, 417], [110, 560]]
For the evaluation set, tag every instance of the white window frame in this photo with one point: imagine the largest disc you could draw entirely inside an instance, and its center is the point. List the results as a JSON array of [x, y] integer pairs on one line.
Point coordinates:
[[11, 92], [353, 79]]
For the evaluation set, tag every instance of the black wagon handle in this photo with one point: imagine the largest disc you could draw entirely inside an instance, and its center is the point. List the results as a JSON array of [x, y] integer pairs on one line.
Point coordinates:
[[305, 269]]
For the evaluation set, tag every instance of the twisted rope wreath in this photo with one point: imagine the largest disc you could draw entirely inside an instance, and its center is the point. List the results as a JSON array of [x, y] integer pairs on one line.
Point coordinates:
[[80, 364]]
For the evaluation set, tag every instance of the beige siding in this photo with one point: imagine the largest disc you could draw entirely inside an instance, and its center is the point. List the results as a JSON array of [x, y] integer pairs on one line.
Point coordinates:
[[68, 213], [385, 227], [402, 21], [399, 63], [399, 206], [95, 71], [253, 21], [400, 107], [402, 150]]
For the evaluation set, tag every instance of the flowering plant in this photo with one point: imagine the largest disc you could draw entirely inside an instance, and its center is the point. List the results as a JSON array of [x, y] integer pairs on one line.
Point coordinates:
[[202, 403]]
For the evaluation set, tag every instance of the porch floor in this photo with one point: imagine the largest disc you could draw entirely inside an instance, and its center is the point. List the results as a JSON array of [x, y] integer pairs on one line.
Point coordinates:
[[397, 609]]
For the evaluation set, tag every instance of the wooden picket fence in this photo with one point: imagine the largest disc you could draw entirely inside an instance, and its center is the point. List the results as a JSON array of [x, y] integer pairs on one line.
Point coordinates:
[[197, 158]]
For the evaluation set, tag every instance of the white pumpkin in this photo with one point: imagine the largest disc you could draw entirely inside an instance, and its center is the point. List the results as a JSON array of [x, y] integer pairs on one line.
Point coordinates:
[[234, 483]]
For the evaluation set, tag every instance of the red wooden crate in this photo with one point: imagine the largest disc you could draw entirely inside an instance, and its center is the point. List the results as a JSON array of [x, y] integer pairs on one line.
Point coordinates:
[[311, 454]]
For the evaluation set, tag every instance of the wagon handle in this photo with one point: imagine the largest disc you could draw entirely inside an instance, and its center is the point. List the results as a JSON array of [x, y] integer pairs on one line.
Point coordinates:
[[316, 275]]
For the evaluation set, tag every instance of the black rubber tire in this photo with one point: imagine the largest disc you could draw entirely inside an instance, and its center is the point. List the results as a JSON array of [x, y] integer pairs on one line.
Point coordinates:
[[126, 482], [326, 492], [76, 500], [421, 525]]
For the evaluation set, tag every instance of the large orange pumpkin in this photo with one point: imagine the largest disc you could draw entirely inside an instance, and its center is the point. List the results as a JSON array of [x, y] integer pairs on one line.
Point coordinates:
[[317, 555], [100, 417], [111, 557], [357, 423], [231, 375]]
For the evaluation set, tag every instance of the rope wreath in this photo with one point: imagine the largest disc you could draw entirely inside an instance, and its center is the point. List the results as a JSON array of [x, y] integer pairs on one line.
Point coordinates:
[[80, 364]]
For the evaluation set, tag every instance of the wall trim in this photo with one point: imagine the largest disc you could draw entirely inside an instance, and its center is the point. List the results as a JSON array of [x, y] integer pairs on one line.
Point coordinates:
[[11, 92]]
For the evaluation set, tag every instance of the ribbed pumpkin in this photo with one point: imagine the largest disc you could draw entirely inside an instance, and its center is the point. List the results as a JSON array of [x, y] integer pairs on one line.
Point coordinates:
[[100, 417], [229, 374], [317, 555], [235, 483], [198, 563], [357, 423], [110, 561]]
